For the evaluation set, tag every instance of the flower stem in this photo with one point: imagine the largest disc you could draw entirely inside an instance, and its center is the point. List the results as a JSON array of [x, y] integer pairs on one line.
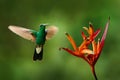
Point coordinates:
[[94, 73]]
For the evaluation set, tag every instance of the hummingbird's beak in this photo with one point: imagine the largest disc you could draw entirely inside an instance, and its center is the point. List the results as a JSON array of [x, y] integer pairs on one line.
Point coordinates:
[[44, 24]]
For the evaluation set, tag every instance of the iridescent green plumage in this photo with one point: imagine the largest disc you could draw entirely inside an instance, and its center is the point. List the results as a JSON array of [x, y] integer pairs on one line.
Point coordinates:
[[40, 41], [39, 37]]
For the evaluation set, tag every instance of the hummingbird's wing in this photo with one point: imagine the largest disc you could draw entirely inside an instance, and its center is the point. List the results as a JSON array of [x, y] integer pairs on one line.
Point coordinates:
[[23, 32], [52, 30]]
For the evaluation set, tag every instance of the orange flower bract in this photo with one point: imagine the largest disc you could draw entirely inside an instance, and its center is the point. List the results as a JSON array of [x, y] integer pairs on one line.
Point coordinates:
[[89, 55]]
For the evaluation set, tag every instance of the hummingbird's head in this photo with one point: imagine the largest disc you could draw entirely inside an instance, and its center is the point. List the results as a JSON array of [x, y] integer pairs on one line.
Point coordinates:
[[42, 26]]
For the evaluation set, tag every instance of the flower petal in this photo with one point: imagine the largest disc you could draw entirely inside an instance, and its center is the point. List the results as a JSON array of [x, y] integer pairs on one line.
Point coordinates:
[[98, 46], [72, 41], [91, 30], [94, 45], [87, 51], [85, 28], [83, 45], [83, 35], [95, 34], [69, 51], [104, 35]]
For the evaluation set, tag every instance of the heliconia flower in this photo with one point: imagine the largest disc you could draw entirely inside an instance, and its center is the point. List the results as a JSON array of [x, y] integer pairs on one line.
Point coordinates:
[[82, 51]]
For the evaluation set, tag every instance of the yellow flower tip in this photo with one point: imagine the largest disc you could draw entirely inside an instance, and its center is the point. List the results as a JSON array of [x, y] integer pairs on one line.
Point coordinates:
[[98, 39], [91, 30], [85, 28], [90, 23], [87, 51]]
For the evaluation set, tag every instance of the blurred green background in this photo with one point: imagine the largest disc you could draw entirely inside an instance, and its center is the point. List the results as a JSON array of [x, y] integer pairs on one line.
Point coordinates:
[[69, 16]]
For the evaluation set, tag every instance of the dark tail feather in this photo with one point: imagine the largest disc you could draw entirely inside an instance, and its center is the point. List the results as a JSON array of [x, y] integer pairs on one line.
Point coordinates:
[[38, 56]]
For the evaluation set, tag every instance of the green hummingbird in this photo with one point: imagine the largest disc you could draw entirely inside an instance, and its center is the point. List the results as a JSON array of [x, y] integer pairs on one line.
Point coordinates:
[[39, 37]]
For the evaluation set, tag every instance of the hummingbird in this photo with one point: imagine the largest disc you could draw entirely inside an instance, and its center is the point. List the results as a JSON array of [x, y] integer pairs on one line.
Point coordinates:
[[38, 37]]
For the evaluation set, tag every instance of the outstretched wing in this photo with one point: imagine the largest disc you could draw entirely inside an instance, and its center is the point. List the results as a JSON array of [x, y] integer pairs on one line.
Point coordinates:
[[23, 32], [52, 30]]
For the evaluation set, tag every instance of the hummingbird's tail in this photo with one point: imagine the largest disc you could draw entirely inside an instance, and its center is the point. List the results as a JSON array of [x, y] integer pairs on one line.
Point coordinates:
[[38, 53]]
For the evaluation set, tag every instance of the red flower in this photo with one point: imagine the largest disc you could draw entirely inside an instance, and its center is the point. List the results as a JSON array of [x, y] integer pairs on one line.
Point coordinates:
[[82, 51]]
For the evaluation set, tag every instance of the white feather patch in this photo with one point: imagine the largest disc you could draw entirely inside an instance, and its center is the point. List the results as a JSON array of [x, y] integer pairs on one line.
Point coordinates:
[[52, 30], [23, 32], [38, 49]]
